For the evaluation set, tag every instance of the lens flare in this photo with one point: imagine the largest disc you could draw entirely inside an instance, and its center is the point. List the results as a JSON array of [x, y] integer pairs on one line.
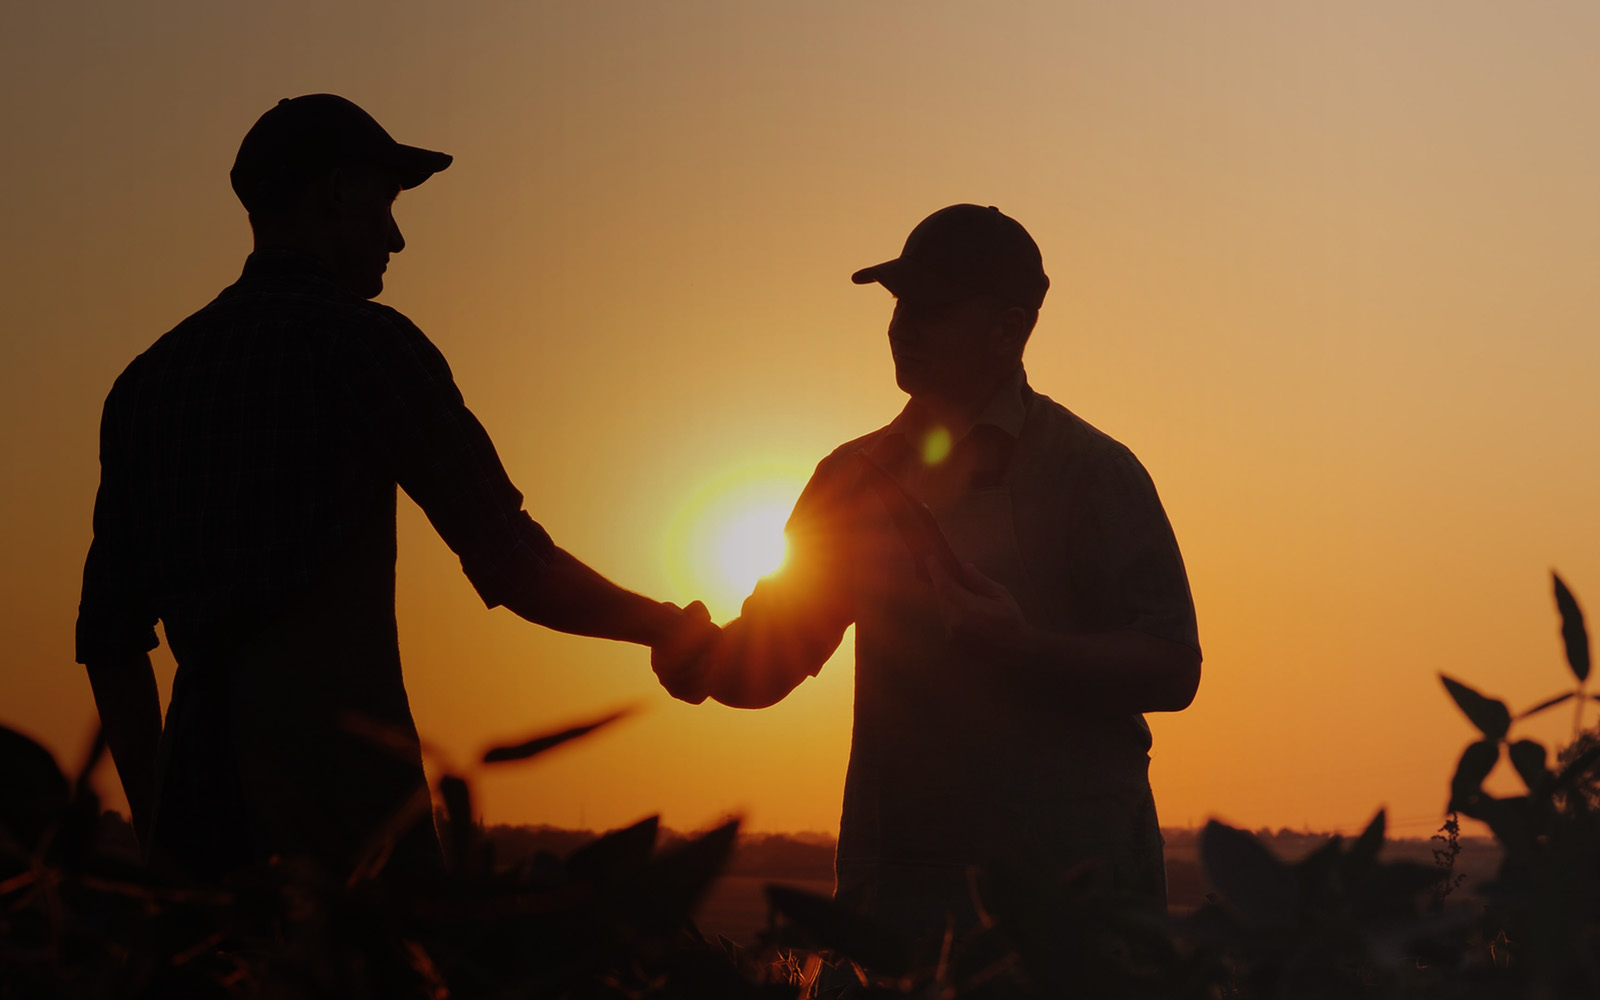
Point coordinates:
[[936, 446]]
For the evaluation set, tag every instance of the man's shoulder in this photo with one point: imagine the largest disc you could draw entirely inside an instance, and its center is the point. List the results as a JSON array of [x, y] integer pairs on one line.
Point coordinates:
[[856, 445], [315, 302], [1062, 436], [251, 322], [842, 461], [288, 313]]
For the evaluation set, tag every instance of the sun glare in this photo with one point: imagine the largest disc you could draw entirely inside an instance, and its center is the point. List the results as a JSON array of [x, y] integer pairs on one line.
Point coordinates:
[[752, 545], [730, 535]]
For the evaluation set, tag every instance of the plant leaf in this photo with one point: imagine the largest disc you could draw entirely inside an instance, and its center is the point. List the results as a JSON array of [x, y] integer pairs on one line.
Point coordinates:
[[36, 792], [1573, 633], [1320, 872], [1490, 716], [458, 808], [680, 876], [1476, 762], [1579, 767], [829, 925], [97, 752], [617, 855], [394, 740], [1528, 757], [1396, 881], [1548, 703], [1262, 888], [1364, 852], [539, 744], [1513, 824], [379, 845]]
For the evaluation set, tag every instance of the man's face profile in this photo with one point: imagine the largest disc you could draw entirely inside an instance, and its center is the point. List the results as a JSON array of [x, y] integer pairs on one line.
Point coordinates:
[[364, 232], [941, 349]]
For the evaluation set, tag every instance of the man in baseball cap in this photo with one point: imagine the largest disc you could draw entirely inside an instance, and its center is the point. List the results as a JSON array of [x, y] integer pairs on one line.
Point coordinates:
[[301, 138], [310, 153], [1018, 597], [249, 463], [962, 251]]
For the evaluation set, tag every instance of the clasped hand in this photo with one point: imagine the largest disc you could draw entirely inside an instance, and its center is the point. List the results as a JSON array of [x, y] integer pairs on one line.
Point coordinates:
[[980, 615], [681, 658]]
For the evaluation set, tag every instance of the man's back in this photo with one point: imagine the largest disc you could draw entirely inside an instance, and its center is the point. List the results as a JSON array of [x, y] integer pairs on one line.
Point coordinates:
[[230, 444], [260, 441], [249, 464]]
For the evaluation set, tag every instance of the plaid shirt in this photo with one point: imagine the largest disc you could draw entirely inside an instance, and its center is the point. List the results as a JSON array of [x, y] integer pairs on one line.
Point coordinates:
[[258, 445]]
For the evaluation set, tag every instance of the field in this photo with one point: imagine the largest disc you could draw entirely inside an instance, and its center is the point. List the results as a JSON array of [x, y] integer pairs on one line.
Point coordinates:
[[736, 905], [547, 912]]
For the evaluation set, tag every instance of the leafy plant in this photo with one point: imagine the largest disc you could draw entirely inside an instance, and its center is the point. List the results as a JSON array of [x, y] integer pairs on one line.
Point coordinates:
[[1546, 898], [611, 920], [81, 918]]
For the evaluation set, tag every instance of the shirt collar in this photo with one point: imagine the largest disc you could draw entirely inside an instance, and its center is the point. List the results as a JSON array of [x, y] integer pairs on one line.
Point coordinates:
[[1006, 410], [285, 262]]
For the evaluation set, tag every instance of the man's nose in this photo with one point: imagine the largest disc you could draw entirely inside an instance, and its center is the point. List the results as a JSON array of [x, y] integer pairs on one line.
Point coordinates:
[[397, 242]]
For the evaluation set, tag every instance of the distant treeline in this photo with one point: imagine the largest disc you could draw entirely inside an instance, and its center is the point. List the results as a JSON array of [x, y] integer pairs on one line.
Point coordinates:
[[779, 856], [809, 856]]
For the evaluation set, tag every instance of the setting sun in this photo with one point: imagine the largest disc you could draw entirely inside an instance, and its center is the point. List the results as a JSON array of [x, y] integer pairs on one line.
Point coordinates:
[[752, 545], [730, 535]]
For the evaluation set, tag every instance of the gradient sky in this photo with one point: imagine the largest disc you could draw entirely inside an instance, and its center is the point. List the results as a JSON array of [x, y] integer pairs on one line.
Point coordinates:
[[1328, 269]]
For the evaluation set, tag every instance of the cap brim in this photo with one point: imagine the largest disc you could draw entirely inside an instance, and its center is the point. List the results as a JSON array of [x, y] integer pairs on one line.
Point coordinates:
[[905, 280], [416, 165]]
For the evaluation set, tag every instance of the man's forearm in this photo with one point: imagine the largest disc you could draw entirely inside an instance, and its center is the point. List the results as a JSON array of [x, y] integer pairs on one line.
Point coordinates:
[[1120, 672], [757, 661], [741, 679], [1116, 672], [130, 716], [570, 597]]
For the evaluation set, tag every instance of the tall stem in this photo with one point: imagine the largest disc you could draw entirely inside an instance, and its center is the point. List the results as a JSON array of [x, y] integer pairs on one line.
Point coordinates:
[[1577, 713]]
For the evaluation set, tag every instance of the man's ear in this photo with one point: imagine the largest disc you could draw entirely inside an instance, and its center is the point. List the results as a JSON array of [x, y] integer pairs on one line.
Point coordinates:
[[1016, 323], [325, 196]]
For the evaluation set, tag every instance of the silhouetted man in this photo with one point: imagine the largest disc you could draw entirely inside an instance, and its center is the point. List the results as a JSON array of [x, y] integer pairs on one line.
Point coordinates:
[[249, 461], [1000, 683]]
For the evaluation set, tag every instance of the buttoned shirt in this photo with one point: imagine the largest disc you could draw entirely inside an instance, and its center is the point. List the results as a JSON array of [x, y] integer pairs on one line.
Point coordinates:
[[260, 442], [249, 465], [956, 760]]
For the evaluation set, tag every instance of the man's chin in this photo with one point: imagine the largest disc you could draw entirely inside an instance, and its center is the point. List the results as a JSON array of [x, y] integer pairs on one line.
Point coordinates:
[[909, 380]]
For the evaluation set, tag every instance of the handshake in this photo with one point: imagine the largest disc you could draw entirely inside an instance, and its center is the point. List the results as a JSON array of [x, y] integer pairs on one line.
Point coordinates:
[[681, 654]]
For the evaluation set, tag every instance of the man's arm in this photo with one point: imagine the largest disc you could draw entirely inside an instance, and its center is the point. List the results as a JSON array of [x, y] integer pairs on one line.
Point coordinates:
[[568, 596], [756, 662], [130, 716], [116, 631], [1123, 671], [794, 620], [444, 460], [1145, 658]]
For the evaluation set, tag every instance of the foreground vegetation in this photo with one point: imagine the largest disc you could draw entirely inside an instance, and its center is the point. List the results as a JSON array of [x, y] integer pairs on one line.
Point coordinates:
[[81, 918]]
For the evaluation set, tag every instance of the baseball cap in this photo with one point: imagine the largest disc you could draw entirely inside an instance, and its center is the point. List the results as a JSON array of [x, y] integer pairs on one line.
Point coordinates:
[[960, 251], [301, 138]]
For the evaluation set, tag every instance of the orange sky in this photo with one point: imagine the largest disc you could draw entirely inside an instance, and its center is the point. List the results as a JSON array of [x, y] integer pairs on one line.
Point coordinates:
[[1328, 269]]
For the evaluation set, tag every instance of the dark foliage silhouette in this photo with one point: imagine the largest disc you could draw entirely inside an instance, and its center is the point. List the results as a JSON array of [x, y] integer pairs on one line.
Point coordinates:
[[81, 917]]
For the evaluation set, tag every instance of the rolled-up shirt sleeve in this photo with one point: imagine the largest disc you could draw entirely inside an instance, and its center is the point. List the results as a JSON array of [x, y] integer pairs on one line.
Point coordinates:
[[115, 620], [795, 618], [1142, 568], [403, 392]]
